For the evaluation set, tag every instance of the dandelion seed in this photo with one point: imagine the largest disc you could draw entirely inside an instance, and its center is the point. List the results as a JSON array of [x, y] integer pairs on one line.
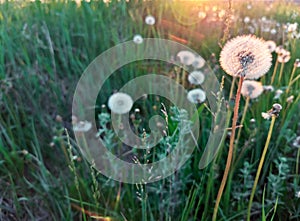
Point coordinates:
[[271, 45], [199, 62], [196, 77], [268, 88], [278, 93], [252, 120], [150, 20], [82, 126], [246, 55], [196, 96], [138, 39], [249, 7], [186, 57], [297, 194], [252, 89], [120, 103]]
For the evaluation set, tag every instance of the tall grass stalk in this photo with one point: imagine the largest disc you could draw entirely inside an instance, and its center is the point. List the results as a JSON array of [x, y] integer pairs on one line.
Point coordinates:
[[261, 162]]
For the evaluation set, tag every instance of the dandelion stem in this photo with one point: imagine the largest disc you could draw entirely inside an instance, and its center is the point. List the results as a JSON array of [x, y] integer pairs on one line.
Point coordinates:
[[281, 71], [231, 145], [291, 78], [260, 166], [240, 128], [274, 72], [235, 148]]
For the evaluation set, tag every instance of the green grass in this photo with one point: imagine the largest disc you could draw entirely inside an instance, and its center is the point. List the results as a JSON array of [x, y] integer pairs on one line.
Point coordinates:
[[44, 50]]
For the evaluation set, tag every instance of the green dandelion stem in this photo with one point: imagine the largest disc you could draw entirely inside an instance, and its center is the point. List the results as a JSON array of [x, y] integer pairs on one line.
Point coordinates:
[[280, 72], [261, 162], [291, 78], [230, 151], [274, 72]]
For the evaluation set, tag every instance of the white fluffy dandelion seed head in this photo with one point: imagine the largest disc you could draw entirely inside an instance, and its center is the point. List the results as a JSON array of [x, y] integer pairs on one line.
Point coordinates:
[[120, 103], [199, 62], [246, 55], [82, 126], [196, 77], [186, 57], [196, 96], [292, 27], [138, 39], [252, 89], [150, 20], [284, 57], [271, 45]]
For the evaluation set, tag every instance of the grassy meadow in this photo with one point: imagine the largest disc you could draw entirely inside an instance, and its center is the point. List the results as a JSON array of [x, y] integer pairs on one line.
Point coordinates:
[[45, 48]]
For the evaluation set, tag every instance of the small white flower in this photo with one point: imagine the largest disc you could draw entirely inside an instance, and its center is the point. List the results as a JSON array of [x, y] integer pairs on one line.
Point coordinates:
[[120, 103], [196, 77], [186, 57], [246, 19], [196, 96], [150, 20], [82, 126], [138, 39]]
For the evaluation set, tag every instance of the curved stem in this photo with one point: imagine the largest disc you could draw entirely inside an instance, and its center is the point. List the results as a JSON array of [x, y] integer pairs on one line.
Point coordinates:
[[230, 151], [261, 162]]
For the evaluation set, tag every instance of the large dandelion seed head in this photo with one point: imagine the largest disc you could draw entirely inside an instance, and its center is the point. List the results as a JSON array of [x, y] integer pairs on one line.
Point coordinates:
[[196, 96], [246, 56], [252, 89], [120, 103]]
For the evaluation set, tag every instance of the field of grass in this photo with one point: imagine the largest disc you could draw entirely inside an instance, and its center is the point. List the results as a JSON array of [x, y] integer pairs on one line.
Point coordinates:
[[45, 48]]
